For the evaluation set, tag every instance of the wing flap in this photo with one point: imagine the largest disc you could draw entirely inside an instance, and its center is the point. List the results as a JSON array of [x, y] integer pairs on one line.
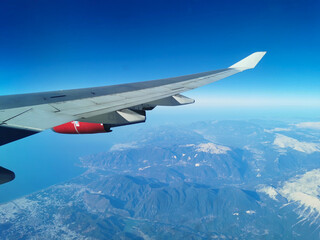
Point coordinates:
[[174, 100], [36, 118]]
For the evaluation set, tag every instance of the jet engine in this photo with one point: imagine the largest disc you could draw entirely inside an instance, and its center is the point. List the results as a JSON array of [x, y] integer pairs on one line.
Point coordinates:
[[6, 175], [76, 127], [103, 123]]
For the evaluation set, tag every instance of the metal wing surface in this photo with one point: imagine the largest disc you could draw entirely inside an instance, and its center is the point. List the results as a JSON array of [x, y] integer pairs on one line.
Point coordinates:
[[26, 114]]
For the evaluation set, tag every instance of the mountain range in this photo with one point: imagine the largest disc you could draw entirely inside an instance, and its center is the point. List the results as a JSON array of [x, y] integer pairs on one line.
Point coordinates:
[[208, 180]]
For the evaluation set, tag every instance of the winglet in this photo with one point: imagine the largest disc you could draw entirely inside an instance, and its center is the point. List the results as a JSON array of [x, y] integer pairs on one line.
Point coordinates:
[[249, 62]]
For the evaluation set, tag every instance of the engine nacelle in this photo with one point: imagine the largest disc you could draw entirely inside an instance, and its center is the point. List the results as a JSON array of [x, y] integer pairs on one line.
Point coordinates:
[[6, 175], [76, 127]]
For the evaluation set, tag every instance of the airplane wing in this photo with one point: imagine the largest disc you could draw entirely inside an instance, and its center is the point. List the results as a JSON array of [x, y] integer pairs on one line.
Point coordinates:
[[26, 114]]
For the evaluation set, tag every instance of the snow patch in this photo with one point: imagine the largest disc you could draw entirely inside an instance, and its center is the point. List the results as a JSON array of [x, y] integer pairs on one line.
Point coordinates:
[[310, 125], [212, 148], [304, 190], [250, 212], [277, 130], [141, 169], [123, 146], [270, 191], [283, 141], [189, 145]]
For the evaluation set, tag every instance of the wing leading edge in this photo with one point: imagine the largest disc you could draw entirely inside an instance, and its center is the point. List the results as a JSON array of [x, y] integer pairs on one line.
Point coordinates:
[[26, 114]]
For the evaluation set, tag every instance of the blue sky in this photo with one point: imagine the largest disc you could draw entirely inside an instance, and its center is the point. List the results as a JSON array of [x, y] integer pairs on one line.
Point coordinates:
[[51, 45]]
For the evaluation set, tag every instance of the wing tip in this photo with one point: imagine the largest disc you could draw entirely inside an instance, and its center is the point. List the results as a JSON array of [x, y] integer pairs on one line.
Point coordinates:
[[249, 62]]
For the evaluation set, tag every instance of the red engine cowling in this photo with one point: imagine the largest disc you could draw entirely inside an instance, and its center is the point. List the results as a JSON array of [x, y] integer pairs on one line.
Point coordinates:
[[76, 127]]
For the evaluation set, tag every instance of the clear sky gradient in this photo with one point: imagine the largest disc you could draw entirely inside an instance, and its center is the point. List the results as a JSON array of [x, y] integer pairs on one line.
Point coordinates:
[[52, 45]]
